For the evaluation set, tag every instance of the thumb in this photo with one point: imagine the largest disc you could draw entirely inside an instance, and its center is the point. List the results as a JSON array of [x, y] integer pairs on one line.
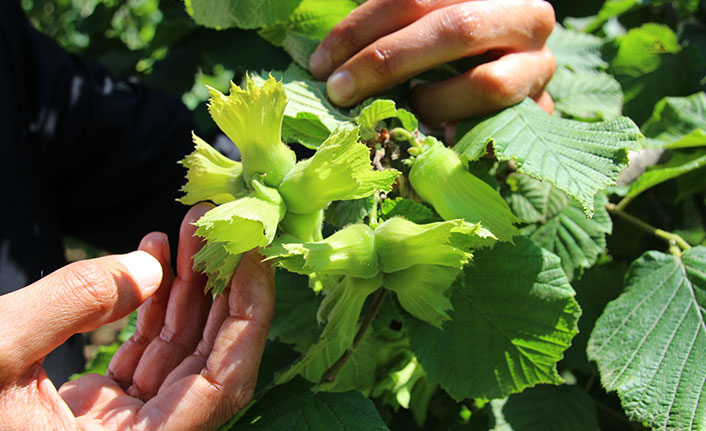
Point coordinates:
[[79, 297]]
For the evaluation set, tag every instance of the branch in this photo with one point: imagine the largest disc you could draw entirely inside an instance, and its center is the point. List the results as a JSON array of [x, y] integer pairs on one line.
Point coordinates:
[[330, 374], [671, 238]]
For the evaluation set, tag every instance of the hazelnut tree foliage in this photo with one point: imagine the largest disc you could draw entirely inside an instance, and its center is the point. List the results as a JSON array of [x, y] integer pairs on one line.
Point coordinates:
[[516, 281]]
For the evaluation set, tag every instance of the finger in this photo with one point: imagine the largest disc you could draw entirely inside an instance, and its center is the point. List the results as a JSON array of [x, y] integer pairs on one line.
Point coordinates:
[[184, 320], [76, 298], [194, 363], [545, 102], [363, 26], [94, 397], [227, 382], [444, 35], [150, 315], [486, 88]]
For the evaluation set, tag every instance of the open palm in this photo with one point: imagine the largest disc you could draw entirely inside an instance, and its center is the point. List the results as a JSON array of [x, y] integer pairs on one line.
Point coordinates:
[[191, 364]]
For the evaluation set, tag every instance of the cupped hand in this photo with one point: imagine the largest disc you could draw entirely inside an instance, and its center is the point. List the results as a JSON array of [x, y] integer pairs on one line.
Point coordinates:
[[385, 42], [191, 364]]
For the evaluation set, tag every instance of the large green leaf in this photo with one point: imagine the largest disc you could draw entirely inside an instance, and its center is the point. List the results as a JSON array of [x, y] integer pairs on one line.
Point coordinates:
[[578, 158], [680, 164], [650, 343], [513, 317], [678, 122], [313, 18], [576, 51], [306, 95], [239, 13], [577, 240], [294, 320], [649, 63], [546, 408], [294, 406], [614, 8], [302, 31], [532, 200], [589, 96]]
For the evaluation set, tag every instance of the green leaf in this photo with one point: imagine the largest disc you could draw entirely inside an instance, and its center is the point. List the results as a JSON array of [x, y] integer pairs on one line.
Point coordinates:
[[294, 406], [99, 363], [440, 178], [339, 170], [532, 200], [305, 94], [372, 114], [588, 96], [680, 164], [302, 31], [408, 120], [239, 13], [343, 213], [252, 119], [578, 158], [649, 63], [211, 176], [313, 18], [513, 318], [294, 320], [413, 211], [650, 342], [613, 9], [577, 240], [306, 129], [678, 122], [546, 408], [576, 51]]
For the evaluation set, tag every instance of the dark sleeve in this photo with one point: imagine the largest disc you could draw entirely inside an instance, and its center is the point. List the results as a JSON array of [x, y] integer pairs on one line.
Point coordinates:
[[82, 154], [103, 151]]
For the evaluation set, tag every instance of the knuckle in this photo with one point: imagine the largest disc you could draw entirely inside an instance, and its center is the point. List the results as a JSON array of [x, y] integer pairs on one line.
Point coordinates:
[[418, 7], [242, 397], [550, 61], [343, 38], [545, 19], [382, 61], [459, 25], [91, 285]]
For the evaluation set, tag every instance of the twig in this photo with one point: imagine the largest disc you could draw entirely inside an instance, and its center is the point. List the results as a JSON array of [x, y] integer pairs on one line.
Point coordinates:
[[330, 374], [671, 238]]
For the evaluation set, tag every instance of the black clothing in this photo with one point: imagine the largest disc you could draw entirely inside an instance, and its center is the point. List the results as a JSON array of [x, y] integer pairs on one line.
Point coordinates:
[[81, 154]]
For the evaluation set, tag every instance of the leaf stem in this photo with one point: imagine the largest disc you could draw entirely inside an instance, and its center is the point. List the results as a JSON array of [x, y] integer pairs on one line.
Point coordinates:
[[373, 215], [402, 134], [330, 374], [671, 238]]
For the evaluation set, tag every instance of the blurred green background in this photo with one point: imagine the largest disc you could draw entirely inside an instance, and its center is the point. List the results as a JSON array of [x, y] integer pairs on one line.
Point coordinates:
[[157, 42]]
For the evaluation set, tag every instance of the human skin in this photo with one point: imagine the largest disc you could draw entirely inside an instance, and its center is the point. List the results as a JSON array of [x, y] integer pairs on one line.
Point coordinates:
[[191, 365], [385, 42]]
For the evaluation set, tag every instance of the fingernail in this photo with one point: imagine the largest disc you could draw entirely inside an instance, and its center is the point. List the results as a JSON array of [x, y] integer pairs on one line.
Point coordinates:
[[144, 269], [340, 87], [320, 62]]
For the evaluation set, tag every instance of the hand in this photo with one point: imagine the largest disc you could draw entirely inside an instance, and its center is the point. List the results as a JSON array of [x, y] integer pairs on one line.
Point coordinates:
[[385, 42], [191, 364]]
